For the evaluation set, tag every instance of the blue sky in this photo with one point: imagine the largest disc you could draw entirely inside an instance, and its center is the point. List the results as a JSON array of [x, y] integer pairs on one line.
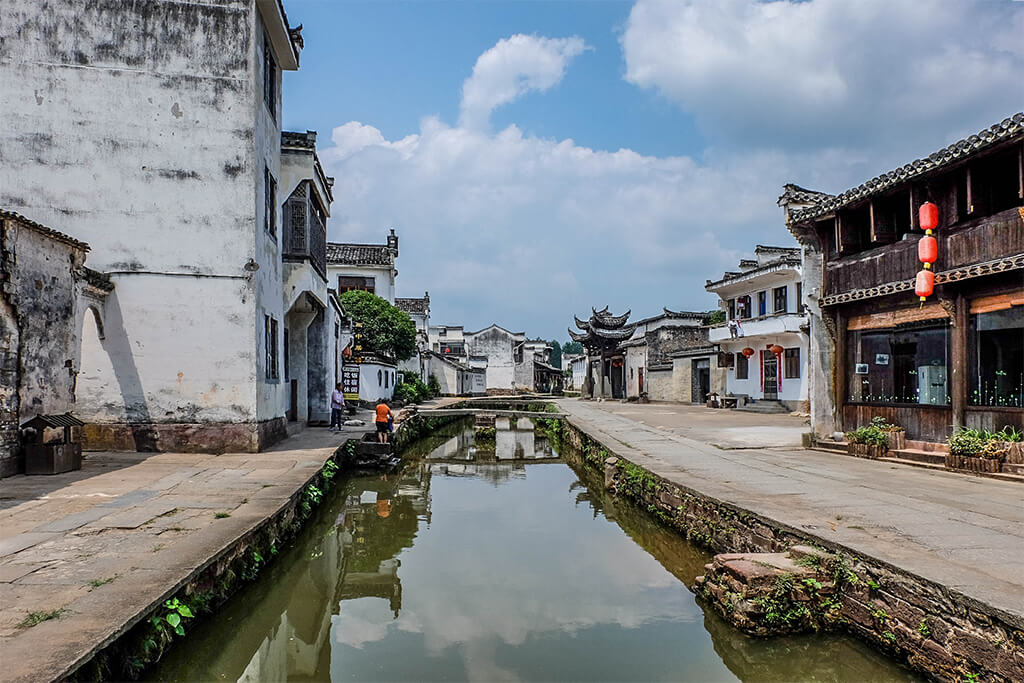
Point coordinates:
[[538, 158]]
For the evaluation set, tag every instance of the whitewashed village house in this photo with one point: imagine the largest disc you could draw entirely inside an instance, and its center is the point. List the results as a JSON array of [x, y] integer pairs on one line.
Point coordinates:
[[497, 350], [418, 309], [650, 356], [448, 362], [369, 268], [313, 320], [766, 334], [576, 364], [176, 188]]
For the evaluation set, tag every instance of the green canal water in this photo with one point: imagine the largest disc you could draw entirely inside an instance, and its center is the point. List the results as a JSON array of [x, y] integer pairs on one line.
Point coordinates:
[[500, 563]]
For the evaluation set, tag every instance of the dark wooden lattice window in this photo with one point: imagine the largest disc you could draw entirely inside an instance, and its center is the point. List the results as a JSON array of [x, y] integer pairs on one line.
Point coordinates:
[[269, 79], [270, 203], [362, 284]]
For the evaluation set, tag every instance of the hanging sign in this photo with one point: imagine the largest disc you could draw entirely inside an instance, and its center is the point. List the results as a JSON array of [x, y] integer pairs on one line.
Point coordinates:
[[350, 382]]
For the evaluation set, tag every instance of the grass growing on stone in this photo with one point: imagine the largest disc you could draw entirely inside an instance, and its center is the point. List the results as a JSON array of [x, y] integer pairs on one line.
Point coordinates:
[[222, 515], [96, 583], [36, 618]]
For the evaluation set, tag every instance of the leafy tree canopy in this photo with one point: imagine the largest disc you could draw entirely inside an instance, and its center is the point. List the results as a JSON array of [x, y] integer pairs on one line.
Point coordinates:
[[572, 347], [714, 317], [385, 329], [556, 354]]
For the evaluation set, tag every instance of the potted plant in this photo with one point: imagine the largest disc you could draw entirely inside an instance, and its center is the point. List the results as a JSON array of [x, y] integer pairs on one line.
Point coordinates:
[[976, 450], [867, 442], [895, 436]]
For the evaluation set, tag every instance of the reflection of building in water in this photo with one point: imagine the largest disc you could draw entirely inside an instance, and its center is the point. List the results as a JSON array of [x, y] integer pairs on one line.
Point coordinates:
[[494, 472], [457, 447], [517, 440], [357, 559]]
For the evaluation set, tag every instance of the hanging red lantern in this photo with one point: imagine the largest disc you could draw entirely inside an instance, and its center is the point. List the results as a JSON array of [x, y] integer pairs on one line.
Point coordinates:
[[928, 215], [927, 249], [748, 352], [776, 349], [925, 284]]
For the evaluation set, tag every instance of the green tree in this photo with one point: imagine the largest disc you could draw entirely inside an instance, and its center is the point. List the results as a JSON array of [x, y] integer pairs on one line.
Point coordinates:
[[714, 317], [556, 354], [572, 347], [385, 329]]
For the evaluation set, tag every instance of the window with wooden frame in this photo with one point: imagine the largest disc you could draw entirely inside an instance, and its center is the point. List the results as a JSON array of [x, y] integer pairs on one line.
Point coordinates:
[[269, 79], [762, 303], [742, 368], [270, 203], [359, 284], [791, 363], [780, 294], [743, 307], [270, 347]]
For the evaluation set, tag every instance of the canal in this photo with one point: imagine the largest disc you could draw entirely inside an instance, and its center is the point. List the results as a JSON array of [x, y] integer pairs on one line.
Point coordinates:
[[493, 561]]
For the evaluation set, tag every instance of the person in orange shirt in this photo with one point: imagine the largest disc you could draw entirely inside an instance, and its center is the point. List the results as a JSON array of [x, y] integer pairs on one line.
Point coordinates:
[[383, 413]]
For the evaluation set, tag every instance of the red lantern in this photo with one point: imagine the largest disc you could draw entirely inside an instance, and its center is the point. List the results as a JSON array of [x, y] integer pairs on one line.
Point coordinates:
[[927, 249], [776, 349], [928, 216], [925, 284], [748, 352]]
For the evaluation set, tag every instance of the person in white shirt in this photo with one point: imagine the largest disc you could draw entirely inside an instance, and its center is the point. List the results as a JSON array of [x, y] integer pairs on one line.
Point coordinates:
[[337, 409]]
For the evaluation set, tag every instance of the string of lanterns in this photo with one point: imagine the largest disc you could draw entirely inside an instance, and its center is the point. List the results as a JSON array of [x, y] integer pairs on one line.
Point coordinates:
[[927, 251]]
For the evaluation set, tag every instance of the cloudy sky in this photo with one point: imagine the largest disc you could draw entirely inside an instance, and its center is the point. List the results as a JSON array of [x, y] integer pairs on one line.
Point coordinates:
[[540, 158]]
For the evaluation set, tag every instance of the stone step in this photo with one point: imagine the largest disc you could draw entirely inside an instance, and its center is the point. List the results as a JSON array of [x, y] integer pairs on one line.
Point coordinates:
[[914, 463], [831, 447], [919, 455], [765, 406]]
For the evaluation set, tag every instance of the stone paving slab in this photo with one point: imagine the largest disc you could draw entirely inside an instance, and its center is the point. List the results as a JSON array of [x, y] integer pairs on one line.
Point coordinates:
[[106, 543], [956, 530]]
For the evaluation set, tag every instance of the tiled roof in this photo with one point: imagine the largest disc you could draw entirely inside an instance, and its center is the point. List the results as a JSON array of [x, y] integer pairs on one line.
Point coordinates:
[[359, 254], [786, 260], [1005, 130], [305, 140], [794, 194], [39, 227], [99, 280], [413, 305]]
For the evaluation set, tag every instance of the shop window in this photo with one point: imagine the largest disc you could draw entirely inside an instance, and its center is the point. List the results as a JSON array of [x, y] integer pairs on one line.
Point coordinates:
[[791, 361], [906, 364], [742, 366], [996, 348], [779, 295]]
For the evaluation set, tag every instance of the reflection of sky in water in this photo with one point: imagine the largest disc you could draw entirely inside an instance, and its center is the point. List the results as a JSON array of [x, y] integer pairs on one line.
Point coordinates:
[[464, 568], [519, 566]]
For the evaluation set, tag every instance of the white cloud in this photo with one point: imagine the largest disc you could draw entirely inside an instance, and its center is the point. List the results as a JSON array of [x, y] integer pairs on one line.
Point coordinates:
[[510, 69], [830, 73], [492, 224]]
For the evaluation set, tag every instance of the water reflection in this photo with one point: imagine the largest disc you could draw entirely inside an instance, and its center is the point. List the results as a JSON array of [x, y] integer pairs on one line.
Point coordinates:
[[475, 564]]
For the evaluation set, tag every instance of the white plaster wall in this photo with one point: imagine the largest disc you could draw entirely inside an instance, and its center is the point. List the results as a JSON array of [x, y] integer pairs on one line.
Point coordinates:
[[497, 345], [369, 388], [636, 359], [659, 385], [792, 389], [153, 153], [383, 276]]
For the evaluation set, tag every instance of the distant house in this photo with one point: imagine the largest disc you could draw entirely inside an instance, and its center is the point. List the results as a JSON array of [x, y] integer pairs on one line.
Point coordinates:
[[764, 340], [499, 350], [365, 267], [649, 358], [418, 309]]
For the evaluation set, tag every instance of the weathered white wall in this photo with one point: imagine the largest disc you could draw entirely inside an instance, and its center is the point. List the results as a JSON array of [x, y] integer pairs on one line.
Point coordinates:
[[383, 276], [370, 387], [636, 360], [144, 133], [497, 344]]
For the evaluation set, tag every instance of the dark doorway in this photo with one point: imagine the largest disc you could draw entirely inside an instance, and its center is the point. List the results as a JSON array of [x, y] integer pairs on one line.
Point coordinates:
[[640, 380], [771, 376], [618, 385], [700, 380]]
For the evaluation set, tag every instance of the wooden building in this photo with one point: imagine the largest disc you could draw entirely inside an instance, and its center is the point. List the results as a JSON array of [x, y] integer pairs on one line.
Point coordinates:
[[958, 358]]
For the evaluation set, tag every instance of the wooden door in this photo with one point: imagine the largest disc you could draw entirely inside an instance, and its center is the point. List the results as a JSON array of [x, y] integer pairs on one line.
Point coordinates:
[[771, 377]]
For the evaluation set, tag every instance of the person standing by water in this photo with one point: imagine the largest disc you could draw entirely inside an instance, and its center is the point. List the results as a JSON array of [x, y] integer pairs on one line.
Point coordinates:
[[337, 409], [384, 416]]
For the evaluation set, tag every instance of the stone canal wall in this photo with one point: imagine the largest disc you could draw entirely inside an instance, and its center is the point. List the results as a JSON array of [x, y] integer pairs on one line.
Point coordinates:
[[935, 630], [143, 638]]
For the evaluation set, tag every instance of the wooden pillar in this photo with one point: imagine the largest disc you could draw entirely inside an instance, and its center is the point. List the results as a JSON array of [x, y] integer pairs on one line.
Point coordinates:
[[1020, 171], [958, 374], [840, 371], [970, 192]]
